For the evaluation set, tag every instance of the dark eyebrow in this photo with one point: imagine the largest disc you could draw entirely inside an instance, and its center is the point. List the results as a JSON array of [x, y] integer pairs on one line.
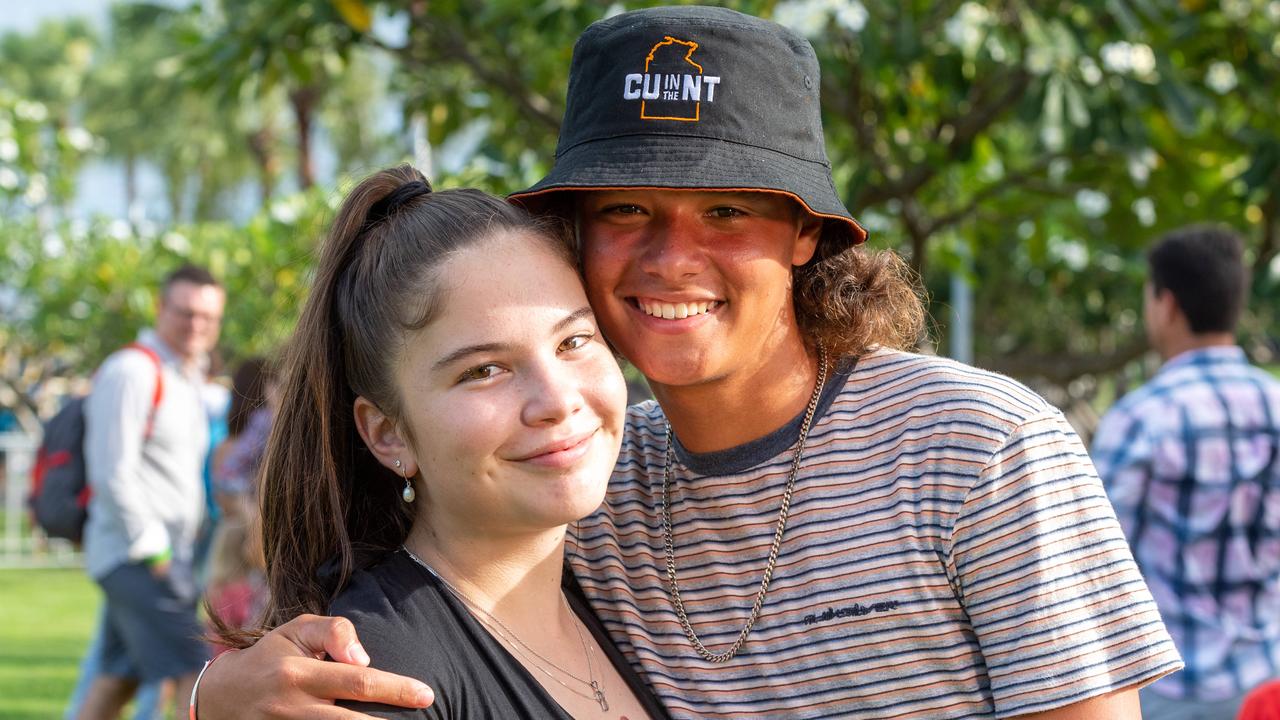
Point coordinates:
[[576, 315], [456, 355]]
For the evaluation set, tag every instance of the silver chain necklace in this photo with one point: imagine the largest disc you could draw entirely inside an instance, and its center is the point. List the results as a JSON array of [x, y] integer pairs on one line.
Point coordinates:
[[513, 641], [668, 535]]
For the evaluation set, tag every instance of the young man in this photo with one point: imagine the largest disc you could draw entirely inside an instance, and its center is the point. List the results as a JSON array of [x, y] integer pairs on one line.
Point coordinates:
[[807, 523], [145, 443], [1191, 461]]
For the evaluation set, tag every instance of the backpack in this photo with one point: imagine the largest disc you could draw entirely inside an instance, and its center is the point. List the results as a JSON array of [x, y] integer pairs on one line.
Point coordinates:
[[59, 481]]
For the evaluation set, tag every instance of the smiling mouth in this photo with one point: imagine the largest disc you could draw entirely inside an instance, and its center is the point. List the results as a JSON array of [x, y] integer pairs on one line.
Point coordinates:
[[675, 311], [558, 453]]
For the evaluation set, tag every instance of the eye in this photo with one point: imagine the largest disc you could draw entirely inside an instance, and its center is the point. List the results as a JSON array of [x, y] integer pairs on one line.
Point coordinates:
[[575, 342], [621, 209], [480, 372], [726, 212]]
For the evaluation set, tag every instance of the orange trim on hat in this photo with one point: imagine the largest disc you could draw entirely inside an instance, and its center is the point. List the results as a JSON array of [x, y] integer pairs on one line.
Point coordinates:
[[860, 233]]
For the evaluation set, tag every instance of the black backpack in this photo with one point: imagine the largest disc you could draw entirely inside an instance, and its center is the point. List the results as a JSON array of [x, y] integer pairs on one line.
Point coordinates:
[[59, 482]]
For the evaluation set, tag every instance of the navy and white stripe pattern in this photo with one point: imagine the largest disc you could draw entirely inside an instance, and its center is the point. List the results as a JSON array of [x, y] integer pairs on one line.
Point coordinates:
[[1191, 461], [950, 554]]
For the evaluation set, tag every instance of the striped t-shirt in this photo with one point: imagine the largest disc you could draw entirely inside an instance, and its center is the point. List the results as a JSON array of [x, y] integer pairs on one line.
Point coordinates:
[[950, 554]]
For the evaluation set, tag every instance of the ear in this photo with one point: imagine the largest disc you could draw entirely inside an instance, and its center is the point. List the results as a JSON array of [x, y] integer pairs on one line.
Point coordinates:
[[807, 237], [383, 438], [1166, 305]]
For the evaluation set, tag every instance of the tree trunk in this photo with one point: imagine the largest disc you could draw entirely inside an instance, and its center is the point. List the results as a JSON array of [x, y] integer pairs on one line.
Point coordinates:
[[262, 146], [303, 101], [130, 184]]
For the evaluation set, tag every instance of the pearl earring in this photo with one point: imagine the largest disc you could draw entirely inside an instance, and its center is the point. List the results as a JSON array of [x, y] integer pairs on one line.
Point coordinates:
[[407, 494]]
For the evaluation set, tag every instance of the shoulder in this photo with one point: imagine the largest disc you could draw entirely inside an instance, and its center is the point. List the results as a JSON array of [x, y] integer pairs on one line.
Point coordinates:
[[893, 382], [126, 364], [392, 606], [646, 428]]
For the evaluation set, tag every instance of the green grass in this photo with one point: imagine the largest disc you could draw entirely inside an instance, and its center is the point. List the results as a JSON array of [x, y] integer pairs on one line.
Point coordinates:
[[46, 619]]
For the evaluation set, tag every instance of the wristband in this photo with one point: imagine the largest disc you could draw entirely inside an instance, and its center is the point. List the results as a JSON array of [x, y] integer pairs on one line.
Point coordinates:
[[195, 688], [158, 558]]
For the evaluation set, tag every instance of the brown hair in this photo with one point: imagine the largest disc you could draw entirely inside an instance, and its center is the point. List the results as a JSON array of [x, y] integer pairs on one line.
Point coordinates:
[[846, 297], [328, 505], [248, 392], [194, 274], [851, 299]]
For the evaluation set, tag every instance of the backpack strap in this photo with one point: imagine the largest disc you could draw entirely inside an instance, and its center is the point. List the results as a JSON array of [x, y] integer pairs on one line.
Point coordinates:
[[159, 391]]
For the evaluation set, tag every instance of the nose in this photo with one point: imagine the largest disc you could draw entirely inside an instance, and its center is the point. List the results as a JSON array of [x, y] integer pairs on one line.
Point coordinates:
[[553, 394], [673, 251]]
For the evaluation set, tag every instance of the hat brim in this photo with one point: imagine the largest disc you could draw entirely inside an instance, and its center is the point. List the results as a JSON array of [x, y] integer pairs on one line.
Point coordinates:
[[692, 163]]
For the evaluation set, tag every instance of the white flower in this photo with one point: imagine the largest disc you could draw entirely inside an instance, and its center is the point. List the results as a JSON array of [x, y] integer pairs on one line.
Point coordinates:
[[1145, 210], [8, 179], [119, 229], [79, 138], [810, 17], [1052, 136], [286, 211], [1089, 71], [1136, 59], [1071, 253], [8, 149], [967, 27], [1221, 77], [1138, 170], [31, 111], [806, 17], [53, 245], [1144, 62], [850, 14], [37, 190], [177, 242], [1116, 57], [1092, 204]]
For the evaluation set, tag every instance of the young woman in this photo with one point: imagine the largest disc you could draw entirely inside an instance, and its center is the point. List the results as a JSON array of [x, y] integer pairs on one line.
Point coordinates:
[[448, 407]]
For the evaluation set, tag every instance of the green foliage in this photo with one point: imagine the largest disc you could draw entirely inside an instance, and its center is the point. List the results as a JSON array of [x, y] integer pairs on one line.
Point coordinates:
[[81, 291], [41, 146], [1034, 148]]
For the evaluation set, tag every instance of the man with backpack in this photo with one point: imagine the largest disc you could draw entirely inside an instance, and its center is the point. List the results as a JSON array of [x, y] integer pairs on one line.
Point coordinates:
[[145, 439]]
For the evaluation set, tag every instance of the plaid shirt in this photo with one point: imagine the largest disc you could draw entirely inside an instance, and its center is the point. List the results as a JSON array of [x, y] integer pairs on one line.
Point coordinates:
[[1189, 461]]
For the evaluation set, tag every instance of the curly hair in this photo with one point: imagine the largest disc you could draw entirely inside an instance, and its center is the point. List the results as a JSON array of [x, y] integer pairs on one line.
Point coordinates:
[[851, 299]]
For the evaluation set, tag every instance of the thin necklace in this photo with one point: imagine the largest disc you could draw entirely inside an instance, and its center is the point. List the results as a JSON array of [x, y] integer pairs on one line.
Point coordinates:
[[514, 641], [668, 535]]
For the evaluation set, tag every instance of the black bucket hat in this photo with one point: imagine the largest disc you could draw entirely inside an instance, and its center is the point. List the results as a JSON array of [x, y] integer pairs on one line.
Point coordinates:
[[695, 98]]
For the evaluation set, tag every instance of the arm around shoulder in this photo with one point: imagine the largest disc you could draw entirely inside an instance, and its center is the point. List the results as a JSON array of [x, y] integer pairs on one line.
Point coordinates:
[[283, 677]]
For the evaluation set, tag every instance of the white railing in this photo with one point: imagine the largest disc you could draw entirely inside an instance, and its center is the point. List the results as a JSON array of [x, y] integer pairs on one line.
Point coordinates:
[[21, 544]]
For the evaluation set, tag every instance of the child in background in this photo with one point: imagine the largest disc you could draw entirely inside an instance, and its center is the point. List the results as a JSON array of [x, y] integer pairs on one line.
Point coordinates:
[[236, 588]]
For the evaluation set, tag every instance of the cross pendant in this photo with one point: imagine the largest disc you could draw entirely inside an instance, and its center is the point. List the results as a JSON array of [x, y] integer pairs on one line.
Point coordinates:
[[604, 704]]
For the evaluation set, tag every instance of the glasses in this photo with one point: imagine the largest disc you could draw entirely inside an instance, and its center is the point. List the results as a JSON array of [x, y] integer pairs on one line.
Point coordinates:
[[189, 315]]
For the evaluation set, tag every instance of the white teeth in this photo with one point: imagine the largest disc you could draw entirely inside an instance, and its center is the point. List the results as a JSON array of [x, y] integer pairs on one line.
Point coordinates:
[[676, 311]]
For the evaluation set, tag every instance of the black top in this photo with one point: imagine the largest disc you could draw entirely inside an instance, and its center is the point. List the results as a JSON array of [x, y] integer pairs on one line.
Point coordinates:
[[410, 624]]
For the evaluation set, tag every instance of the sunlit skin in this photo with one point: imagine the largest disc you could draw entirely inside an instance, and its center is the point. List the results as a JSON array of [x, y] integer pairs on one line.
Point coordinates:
[[732, 250], [512, 402], [737, 373], [512, 416], [189, 317]]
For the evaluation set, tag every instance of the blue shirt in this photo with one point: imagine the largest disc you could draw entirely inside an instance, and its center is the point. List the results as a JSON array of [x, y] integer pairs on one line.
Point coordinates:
[[1189, 461]]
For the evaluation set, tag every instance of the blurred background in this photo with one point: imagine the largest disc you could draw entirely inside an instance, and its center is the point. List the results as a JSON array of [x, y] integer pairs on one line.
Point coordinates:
[[1020, 154]]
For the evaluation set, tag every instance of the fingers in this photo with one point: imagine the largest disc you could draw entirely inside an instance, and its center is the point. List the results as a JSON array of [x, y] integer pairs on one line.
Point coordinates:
[[317, 636], [281, 677], [347, 682]]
